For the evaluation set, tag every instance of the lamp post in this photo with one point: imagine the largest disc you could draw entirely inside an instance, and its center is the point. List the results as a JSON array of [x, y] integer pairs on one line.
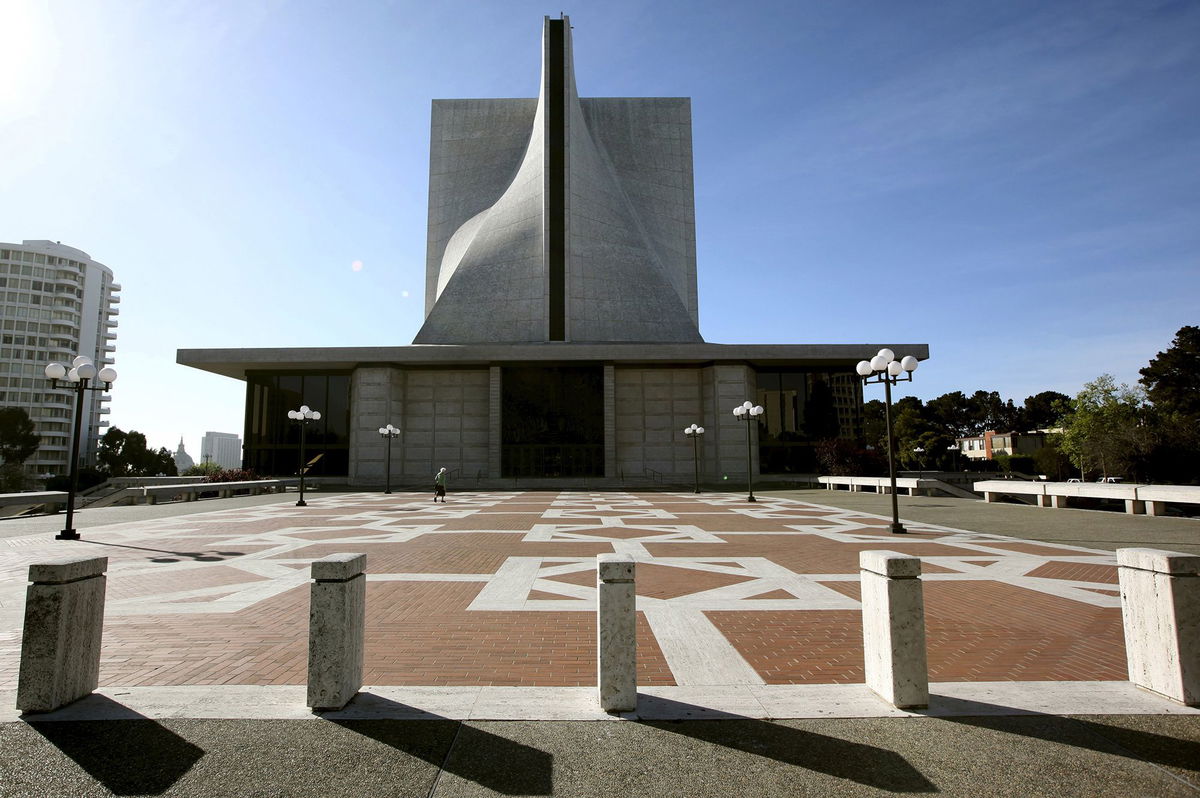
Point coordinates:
[[388, 432], [304, 416], [884, 368], [78, 378], [745, 412], [694, 432], [920, 460]]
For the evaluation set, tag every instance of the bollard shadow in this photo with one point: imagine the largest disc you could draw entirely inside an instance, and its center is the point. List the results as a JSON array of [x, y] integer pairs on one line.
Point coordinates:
[[177, 556], [865, 764], [1076, 731], [128, 753], [493, 762]]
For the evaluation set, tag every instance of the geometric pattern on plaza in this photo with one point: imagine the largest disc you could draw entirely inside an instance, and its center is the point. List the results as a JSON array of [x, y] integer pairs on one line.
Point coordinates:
[[787, 562]]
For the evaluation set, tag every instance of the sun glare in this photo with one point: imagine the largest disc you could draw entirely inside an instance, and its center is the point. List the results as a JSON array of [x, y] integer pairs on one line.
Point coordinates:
[[31, 53]]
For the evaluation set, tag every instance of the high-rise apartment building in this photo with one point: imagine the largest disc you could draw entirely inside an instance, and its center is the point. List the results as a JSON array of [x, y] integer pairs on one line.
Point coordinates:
[[222, 448], [55, 303]]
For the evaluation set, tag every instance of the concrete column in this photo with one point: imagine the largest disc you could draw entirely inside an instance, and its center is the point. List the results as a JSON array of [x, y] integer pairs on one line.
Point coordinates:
[[893, 608], [1043, 501], [610, 421], [616, 633], [336, 621], [1058, 502], [1157, 508], [1135, 507], [991, 497], [1160, 607], [495, 398], [60, 645]]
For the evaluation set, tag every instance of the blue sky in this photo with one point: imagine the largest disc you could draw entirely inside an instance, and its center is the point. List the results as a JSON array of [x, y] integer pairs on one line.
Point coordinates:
[[1016, 184]]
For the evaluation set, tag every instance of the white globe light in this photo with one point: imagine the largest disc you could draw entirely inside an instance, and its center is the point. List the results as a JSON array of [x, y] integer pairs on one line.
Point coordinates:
[[738, 411], [747, 404], [383, 431], [107, 374], [81, 360], [887, 354], [86, 371], [687, 431], [316, 415], [879, 363], [292, 414], [73, 375], [304, 410], [757, 410], [56, 371], [863, 368], [894, 368], [908, 363], [699, 430]]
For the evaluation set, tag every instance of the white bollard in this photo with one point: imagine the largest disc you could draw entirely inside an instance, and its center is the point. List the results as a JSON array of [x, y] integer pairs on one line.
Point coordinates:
[[616, 633], [893, 608], [1160, 608], [336, 623], [60, 644]]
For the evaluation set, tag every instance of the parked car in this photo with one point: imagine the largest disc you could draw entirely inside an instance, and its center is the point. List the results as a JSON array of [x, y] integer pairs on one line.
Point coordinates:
[[1111, 480]]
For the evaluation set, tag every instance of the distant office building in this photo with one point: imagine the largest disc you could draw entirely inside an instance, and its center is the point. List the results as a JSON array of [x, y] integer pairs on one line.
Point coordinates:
[[222, 448], [55, 303], [183, 460]]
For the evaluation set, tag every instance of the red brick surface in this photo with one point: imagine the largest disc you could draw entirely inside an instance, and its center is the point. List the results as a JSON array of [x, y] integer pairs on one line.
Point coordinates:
[[222, 598]]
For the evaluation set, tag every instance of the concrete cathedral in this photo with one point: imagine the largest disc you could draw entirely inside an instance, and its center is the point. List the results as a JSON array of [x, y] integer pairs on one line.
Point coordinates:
[[561, 340]]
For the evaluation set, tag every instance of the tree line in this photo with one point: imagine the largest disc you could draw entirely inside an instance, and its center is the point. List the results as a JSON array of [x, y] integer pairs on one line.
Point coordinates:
[[1148, 432]]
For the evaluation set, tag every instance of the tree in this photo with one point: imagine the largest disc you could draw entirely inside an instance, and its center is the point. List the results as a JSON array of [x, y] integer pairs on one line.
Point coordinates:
[[1108, 430], [126, 454], [1043, 410], [18, 441], [1172, 381], [952, 412]]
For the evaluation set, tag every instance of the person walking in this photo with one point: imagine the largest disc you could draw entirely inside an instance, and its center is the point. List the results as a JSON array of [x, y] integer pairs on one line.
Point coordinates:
[[439, 485]]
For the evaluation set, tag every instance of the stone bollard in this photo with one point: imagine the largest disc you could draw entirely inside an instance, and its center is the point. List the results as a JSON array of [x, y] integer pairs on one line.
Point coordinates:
[[1160, 607], [64, 620], [893, 610], [336, 620], [616, 633]]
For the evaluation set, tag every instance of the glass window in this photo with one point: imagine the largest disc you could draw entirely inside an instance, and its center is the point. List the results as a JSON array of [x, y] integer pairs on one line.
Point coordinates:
[[273, 441]]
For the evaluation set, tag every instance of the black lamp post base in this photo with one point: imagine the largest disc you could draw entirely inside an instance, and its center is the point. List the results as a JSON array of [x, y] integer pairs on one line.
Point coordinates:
[[897, 529], [67, 534], [751, 498], [389, 490], [302, 503]]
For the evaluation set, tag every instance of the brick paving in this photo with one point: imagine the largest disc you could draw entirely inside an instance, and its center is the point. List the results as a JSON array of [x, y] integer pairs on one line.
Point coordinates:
[[499, 589]]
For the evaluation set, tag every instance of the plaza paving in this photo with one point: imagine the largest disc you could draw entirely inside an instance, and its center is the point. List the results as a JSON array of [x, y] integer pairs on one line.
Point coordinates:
[[498, 589], [481, 621]]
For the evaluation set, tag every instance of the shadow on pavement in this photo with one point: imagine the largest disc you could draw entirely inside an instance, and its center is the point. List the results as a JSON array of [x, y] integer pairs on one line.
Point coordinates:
[[1121, 740], [198, 556], [858, 762], [493, 762], [129, 757]]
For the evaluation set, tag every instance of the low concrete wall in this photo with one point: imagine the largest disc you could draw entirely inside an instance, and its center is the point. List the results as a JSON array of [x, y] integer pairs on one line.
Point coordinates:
[[1138, 498]]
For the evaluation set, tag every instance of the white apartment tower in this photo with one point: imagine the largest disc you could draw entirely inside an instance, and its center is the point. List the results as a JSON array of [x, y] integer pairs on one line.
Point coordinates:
[[55, 303], [222, 448]]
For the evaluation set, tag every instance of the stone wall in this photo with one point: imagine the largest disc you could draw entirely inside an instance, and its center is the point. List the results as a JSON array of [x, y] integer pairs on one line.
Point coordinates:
[[443, 419]]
